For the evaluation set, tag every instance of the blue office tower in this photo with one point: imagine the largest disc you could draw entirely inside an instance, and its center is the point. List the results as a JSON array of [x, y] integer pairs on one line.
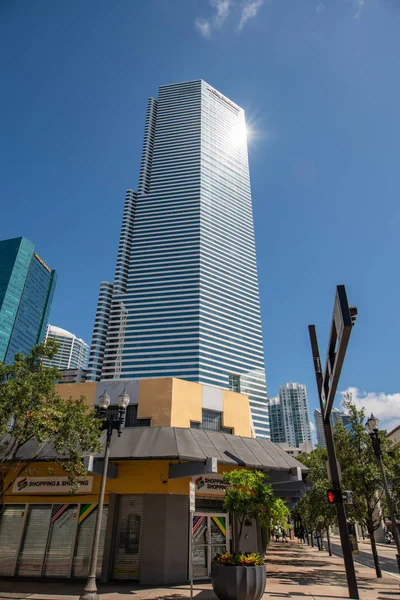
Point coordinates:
[[184, 301], [26, 293]]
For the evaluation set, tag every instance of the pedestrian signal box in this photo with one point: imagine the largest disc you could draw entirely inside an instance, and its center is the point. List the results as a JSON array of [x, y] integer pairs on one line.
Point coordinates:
[[347, 496], [334, 496]]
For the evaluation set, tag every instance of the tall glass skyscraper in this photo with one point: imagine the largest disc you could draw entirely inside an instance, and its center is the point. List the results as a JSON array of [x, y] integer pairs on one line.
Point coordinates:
[[337, 416], [72, 353], [294, 413], [184, 301], [26, 292], [276, 422]]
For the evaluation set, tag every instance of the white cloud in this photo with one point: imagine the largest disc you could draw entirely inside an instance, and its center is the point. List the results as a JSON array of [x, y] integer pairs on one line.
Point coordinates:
[[222, 8], [250, 10], [384, 406], [359, 7], [204, 27]]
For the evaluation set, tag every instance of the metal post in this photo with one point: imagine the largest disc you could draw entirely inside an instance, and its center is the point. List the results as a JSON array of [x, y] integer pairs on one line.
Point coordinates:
[[90, 591], [390, 506], [341, 515], [334, 471], [192, 508], [191, 553]]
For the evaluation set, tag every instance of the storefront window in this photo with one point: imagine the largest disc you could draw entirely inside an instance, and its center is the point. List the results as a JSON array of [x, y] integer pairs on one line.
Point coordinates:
[[30, 560], [61, 540], [84, 540], [11, 526]]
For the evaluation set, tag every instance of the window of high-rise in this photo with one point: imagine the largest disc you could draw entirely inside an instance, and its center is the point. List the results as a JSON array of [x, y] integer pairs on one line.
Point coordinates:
[[27, 287]]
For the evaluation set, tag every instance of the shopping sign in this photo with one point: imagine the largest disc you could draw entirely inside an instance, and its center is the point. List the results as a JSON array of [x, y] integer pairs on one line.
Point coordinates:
[[49, 485], [210, 485], [192, 496]]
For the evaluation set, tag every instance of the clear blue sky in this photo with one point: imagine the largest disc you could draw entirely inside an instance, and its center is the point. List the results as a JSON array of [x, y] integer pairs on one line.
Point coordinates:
[[319, 81]]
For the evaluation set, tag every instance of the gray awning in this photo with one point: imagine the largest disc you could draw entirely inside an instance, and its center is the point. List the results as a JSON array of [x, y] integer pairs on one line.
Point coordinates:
[[175, 443], [195, 445]]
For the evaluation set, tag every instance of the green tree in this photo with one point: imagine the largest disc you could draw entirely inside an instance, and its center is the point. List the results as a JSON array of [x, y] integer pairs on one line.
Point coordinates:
[[360, 472], [249, 497], [394, 478], [315, 511], [33, 414], [278, 514]]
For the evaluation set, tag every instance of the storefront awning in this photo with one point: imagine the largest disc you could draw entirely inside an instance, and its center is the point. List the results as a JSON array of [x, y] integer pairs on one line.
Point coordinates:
[[174, 443], [195, 445]]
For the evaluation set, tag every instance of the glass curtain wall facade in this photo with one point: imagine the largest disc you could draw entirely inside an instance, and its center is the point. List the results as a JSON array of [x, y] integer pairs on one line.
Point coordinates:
[[276, 423], [185, 302], [337, 416], [72, 353], [295, 412], [27, 287]]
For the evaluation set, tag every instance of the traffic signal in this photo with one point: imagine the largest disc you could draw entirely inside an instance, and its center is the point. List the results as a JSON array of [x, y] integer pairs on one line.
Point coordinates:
[[334, 496], [347, 496]]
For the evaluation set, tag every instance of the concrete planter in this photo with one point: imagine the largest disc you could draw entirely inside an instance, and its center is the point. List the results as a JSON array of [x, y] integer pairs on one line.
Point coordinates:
[[238, 583]]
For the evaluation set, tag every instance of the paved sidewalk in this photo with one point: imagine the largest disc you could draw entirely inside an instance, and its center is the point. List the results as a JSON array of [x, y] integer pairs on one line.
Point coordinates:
[[293, 570], [300, 570]]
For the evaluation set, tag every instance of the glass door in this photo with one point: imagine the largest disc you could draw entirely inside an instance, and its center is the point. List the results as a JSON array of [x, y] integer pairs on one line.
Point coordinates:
[[209, 538], [200, 546], [218, 527]]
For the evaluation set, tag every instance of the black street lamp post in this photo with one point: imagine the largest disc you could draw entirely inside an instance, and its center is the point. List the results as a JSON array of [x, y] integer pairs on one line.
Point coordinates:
[[90, 591], [372, 427]]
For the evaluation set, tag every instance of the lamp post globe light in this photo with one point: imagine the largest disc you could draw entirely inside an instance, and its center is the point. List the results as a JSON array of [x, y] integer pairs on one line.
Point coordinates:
[[372, 427], [108, 425]]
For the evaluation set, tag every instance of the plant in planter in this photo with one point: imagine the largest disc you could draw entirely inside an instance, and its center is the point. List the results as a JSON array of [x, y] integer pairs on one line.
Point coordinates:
[[242, 576]]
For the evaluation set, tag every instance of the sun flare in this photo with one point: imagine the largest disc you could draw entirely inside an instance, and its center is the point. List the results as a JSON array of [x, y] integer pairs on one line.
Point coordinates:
[[239, 133]]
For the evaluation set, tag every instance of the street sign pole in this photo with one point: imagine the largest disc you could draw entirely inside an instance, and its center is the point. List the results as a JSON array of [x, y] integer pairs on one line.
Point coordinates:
[[327, 382], [192, 508]]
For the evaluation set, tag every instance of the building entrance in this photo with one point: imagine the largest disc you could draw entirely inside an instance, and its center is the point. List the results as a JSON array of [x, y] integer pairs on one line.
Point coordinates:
[[210, 537]]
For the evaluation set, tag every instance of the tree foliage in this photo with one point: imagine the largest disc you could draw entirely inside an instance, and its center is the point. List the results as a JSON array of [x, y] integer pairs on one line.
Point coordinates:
[[249, 497], [360, 471], [360, 474], [278, 514], [395, 477], [33, 414]]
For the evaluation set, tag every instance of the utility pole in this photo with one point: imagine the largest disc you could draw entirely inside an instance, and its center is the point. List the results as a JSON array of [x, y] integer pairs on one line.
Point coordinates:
[[327, 382]]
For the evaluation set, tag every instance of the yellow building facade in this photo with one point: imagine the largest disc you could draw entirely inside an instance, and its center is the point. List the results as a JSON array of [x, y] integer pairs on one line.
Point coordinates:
[[173, 430], [170, 402]]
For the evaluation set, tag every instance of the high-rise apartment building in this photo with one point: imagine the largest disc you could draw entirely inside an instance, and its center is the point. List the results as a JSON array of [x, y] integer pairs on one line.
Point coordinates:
[[276, 424], [26, 292], [295, 413], [184, 301], [72, 353], [337, 416]]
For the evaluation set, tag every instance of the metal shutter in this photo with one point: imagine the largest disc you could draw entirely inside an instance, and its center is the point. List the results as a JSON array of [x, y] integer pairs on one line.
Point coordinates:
[[60, 547], [11, 527], [84, 541], [30, 560], [128, 540]]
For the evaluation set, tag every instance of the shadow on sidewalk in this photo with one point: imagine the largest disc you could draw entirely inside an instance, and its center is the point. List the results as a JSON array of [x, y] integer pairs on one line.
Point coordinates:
[[311, 577], [295, 565], [11, 589]]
